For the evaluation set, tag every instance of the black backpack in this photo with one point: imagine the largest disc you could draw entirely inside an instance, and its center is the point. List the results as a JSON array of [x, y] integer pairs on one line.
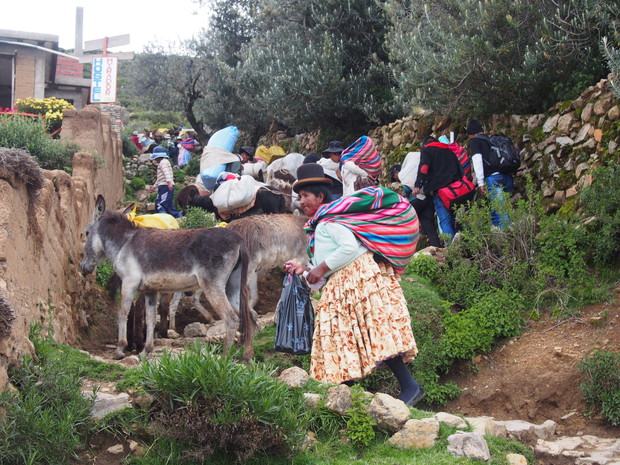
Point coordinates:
[[504, 156]]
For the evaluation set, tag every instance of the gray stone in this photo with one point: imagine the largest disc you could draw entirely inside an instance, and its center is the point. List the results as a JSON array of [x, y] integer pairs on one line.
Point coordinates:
[[416, 434], [583, 133], [294, 377], [587, 112], [216, 332], [470, 445], [390, 414], [107, 403], [551, 123], [116, 449], [564, 140], [516, 459], [534, 121], [565, 122], [451, 420], [612, 146], [195, 329], [311, 400], [581, 167], [487, 425], [547, 189], [339, 399], [524, 431], [614, 113], [172, 334]]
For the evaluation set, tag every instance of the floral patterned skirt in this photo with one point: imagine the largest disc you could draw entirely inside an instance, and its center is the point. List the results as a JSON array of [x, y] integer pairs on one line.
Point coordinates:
[[360, 321]]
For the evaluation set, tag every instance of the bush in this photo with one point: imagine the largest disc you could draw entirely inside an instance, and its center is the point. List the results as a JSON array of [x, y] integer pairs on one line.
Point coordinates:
[[601, 385], [26, 133], [196, 217], [425, 266], [48, 419], [129, 148], [104, 272], [210, 403], [51, 107], [193, 167], [138, 183], [179, 176]]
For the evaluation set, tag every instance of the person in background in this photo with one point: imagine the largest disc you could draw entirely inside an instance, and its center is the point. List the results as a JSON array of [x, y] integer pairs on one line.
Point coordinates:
[[246, 154], [147, 143], [422, 203], [331, 166], [136, 140], [312, 157], [171, 149], [361, 320], [164, 183], [360, 165], [439, 168], [496, 184]]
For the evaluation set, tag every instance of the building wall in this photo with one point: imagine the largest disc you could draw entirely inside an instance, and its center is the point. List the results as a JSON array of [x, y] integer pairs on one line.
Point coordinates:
[[25, 68]]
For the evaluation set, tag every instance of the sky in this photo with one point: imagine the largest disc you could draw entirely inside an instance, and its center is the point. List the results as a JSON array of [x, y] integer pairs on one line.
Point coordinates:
[[161, 21]]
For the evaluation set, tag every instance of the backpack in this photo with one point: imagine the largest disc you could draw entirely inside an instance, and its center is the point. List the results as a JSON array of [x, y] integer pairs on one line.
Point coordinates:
[[503, 156], [457, 193], [463, 158]]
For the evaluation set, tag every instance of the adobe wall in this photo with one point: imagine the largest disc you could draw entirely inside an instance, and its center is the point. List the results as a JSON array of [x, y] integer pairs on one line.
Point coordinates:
[[41, 241]]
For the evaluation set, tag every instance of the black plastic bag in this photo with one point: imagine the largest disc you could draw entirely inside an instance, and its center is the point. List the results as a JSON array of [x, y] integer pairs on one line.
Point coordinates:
[[295, 318]]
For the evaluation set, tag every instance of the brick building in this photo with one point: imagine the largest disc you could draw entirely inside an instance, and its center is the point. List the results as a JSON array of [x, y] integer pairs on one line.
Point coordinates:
[[32, 66]]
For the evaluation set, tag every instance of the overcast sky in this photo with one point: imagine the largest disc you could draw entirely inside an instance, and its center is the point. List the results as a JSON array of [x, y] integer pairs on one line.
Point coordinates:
[[145, 21]]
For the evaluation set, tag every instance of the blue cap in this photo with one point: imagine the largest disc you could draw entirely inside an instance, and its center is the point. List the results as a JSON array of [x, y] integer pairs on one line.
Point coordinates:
[[158, 152]]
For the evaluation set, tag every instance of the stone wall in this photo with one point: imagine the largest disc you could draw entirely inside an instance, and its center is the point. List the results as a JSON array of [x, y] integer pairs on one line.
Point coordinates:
[[41, 239]]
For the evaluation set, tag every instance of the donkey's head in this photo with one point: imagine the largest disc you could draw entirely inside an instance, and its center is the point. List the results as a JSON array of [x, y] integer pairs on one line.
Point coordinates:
[[93, 248]]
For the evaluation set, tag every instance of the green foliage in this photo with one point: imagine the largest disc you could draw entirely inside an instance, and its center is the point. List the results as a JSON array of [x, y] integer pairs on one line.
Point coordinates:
[[138, 183], [51, 108], [27, 133], [211, 402], [47, 420], [179, 176], [425, 266], [104, 272], [601, 384], [196, 217], [359, 422], [193, 167], [129, 148]]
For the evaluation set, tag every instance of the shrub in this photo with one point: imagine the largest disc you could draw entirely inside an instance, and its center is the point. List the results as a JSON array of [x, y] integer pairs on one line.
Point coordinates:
[[179, 176], [196, 217], [601, 385], [129, 148], [210, 403], [138, 183], [48, 419], [104, 272], [359, 422], [425, 266], [193, 167], [26, 133], [51, 107]]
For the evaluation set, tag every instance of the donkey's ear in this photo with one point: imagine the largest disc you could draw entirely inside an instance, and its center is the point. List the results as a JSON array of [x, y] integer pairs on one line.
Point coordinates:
[[128, 209], [99, 207]]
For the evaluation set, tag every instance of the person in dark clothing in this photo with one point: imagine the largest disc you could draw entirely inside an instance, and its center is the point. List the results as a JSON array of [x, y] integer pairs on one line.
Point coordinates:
[[439, 167]]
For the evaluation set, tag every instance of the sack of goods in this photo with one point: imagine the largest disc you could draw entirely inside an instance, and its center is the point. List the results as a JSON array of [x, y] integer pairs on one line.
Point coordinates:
[[295, 318], [457, 193]]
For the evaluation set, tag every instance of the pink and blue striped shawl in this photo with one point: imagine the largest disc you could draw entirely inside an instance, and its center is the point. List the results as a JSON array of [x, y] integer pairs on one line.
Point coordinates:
[[383, 221], [363, 153]]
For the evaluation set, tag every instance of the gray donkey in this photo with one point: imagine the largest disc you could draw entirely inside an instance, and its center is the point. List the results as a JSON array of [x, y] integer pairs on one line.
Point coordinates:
[[172, 260]]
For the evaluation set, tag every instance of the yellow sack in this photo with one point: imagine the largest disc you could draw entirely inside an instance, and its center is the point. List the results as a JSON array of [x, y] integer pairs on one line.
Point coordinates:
[[156, 220], [269, 154]]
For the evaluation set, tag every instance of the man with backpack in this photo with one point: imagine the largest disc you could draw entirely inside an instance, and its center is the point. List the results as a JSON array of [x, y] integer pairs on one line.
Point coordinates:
[[495, 159]]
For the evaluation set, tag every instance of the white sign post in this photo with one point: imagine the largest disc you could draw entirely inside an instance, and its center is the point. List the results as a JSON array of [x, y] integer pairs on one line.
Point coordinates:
[[103, 80]]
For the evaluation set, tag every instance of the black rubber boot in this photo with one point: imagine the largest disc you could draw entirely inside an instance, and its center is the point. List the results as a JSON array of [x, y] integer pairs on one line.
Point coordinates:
[[410, 391]]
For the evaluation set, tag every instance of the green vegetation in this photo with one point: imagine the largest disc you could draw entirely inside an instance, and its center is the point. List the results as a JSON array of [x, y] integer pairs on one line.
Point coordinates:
[[196, 217], [601, 385], [29, 134], [104, 272]]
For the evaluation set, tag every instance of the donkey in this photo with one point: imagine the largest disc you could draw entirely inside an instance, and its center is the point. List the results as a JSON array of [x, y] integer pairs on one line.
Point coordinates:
[[271, 240], [172, 260]]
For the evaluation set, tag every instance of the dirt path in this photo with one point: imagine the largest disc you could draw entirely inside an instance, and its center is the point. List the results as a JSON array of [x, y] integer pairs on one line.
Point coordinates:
[[535, 377]]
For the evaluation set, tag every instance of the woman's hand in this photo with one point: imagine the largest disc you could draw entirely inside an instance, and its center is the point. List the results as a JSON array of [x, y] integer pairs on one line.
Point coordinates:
[[293, 267], [316, 274]]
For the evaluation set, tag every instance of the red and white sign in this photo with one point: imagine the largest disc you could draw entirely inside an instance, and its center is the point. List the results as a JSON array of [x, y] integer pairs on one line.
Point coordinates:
[[103, 80]]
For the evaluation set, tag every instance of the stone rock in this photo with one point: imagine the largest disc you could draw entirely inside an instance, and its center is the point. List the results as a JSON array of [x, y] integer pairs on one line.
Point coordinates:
[[294, 377], [526, 432], [195, 329], [563, 140], [559, 198], [552, 166], [516, 459], [390, 414], [116, 449], [470, 445], [311, 400], [612, 146], [416, 434], [547, 189], [487, 425], [172, 334], [581, 167], [598, 135], [338, 399], [131, 361], [534, 121], [587, 112], [555, 448], [614, 113], [451, 420], [603, 105], [550, 148], [571, 192], [107, 403], [583, 133], [565, 123], [397, 138], [266, 320], [551, 123], [216, 332]]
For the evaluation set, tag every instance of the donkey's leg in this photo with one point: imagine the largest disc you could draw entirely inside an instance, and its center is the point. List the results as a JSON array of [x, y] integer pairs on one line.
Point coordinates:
[[151, 305], [253, 286], [215, 292], [201, 308], [127, 293], [237, 293], [164, 314], [174, 306]]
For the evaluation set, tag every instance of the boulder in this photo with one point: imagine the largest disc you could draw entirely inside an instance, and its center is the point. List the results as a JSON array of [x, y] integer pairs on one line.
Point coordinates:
[[470, 445], [294, 377], [196, 329], [107, 403], [390, 414], [339, 399], [451, 420], [416, 434]]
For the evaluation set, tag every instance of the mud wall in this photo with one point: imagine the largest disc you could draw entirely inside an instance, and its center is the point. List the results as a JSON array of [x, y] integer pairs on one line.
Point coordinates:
[[41, 239]]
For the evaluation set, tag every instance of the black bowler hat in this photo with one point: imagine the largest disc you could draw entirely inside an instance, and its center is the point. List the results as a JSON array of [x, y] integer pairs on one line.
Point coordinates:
[[308, 174], [334, 146]]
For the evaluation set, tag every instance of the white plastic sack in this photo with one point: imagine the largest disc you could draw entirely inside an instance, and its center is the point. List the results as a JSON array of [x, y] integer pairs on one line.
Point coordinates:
[[290, 163], [252, 169], [235, 194]]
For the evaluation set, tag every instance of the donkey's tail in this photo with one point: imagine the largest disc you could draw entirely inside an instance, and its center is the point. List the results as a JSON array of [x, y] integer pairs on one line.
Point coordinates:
[[246, 315]]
